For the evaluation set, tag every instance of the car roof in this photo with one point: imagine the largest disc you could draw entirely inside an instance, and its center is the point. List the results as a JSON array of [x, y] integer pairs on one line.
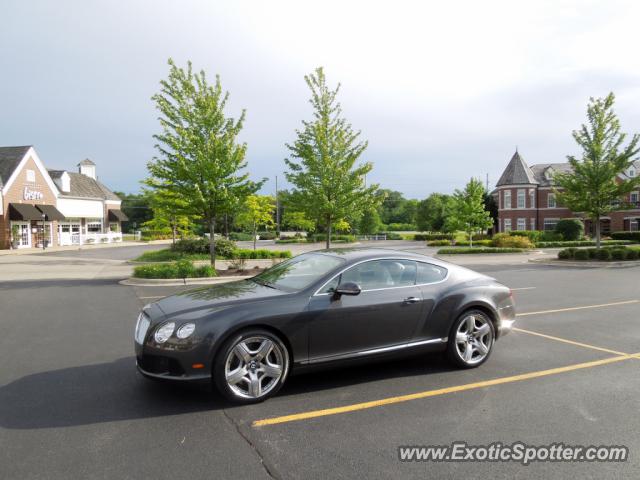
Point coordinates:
[[358, 254]]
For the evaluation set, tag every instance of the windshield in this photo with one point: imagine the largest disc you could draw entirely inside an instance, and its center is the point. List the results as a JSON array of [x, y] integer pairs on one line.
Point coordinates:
[[299, 272]]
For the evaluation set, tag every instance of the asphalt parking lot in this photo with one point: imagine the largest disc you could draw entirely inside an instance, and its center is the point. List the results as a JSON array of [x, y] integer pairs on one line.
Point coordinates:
[[73, 406]]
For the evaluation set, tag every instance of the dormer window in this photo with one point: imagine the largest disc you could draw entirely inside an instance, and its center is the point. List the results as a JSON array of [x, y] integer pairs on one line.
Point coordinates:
[[31, 176], [632, 172]]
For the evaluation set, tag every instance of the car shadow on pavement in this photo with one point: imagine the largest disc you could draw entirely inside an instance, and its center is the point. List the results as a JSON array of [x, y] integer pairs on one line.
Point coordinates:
[[115, 391], [92, 394], [370, 372]]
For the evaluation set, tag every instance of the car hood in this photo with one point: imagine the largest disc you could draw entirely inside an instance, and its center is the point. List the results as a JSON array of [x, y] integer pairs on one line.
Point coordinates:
[[216, 296]]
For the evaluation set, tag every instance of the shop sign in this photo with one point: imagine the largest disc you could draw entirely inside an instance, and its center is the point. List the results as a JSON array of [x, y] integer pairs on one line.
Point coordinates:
[[32, 194]]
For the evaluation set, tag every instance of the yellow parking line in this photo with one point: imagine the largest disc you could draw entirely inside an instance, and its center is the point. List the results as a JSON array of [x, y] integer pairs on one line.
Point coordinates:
[[440, 391], [570, 342], [569, 309]]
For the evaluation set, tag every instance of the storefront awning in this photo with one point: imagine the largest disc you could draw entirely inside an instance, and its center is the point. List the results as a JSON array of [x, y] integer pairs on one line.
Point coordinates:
[[117, 216], [24, 211], [51, 212]]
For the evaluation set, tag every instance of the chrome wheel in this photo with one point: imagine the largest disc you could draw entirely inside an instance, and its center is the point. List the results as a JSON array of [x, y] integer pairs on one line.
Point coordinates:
[[474, 339], [254, 366]]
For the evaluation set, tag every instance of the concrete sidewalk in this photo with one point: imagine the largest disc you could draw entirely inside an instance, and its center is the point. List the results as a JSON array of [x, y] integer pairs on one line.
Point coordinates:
[[74, 248]]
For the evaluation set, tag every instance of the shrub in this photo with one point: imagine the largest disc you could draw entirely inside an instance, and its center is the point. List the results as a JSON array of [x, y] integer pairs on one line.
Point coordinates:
[[618, 254], [267, 235], [570, 228], [633, 236], [581, 255], [592, 252], [290, 240], [241, 237], [246, 254], [633, 254], [439, 243], [533, 235], [180, 269], [604, 254], [506, 241], [565, 254], [224, 247], [550, 236], [464, 250]]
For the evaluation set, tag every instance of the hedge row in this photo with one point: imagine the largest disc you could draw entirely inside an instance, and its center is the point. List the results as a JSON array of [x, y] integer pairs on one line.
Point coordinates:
[[633, 236], [581, 243], [605, 254], [464, 250], [322, 237]]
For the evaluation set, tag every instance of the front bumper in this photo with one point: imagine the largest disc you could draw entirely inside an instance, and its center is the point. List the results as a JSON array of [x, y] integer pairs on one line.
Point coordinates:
[[167, 376], [173, 364]]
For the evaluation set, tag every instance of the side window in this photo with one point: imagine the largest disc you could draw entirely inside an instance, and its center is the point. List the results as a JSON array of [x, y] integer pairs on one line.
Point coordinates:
[[331, 286], [381, 274], [428, 273]]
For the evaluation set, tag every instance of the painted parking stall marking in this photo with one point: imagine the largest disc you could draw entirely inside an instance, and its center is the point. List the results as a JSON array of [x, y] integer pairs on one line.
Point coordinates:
[[619, 357]]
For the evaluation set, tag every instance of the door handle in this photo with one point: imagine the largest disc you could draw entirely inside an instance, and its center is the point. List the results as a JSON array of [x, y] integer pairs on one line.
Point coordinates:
[[411, 300]]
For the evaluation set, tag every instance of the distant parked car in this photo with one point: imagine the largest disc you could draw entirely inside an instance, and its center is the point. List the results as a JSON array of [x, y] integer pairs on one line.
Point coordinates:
[[318, 309]]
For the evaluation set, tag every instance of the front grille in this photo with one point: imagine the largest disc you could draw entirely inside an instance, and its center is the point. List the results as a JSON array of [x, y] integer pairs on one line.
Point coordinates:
[[160, 365]]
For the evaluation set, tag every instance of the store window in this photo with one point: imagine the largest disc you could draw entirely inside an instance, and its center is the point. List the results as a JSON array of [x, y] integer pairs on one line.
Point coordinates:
[[94, 225], [114, 227]]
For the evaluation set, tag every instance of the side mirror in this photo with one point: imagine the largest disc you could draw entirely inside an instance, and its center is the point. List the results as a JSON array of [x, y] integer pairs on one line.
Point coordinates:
[[347, 288]]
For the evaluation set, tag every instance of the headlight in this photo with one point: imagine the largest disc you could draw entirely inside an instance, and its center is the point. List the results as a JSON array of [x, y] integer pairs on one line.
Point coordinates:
[[164, 332], [186, 330]]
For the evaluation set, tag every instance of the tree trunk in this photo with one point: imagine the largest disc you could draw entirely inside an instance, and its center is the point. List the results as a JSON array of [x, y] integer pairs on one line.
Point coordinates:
[[212, 241], [597, 220], [173, 230], [226, 225], [470, 238], [328, 243], [255, 234]]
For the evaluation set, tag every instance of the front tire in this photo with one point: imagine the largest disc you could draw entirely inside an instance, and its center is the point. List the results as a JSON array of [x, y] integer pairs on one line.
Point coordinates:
[[251, 366], [471, 340]]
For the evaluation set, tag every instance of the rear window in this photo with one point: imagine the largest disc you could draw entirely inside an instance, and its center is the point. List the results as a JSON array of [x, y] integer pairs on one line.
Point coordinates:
[[428, 273]]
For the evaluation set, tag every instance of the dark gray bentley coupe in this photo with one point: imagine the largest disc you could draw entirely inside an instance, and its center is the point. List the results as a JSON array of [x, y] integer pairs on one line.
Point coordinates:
[[317, 309]]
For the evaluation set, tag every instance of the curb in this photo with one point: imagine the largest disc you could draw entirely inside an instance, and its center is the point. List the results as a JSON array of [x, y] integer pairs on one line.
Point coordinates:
[[584, 264], [153, 282]]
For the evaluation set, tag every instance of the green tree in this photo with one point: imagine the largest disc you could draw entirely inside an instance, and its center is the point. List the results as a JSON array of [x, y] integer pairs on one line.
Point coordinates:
[[369, 222], [328, 182], [467, 211], [257, 211], [169, 213], [199, 160], [432, 212], [596, 185], [298, 221], [136, 206]]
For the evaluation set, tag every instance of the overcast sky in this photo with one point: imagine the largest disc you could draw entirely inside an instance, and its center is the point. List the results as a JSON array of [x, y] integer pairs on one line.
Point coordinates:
[[442, 90]]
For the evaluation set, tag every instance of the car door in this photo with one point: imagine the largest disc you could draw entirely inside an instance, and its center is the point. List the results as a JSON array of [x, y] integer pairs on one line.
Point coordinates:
[[385, 313]]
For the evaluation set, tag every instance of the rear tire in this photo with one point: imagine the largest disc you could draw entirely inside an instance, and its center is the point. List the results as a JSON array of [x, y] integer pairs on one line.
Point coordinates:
[[251, 366], [471, 340]]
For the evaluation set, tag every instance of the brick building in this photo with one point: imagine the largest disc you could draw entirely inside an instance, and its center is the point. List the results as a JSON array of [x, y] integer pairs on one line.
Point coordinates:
[[53, 207], [526, 199]]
